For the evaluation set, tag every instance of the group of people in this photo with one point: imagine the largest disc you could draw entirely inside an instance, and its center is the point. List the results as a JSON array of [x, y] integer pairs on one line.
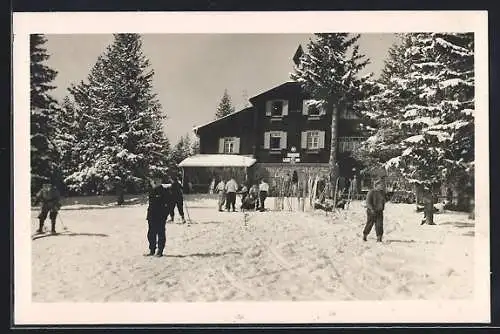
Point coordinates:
[[253, 196], [164, 198]]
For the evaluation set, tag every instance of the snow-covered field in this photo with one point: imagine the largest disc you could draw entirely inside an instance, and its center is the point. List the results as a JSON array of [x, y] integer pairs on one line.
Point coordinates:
[[274, 256]]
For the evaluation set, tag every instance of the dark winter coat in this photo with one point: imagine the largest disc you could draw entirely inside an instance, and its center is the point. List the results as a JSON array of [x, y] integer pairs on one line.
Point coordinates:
[[176, 190], [50, 199], [375, 200], [158, 204]]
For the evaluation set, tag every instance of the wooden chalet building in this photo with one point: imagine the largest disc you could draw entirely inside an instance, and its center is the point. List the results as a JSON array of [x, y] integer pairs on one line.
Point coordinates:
[[281, 133]]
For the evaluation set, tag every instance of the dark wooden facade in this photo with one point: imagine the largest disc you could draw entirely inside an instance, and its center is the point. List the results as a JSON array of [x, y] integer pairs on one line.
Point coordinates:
[[259, 127]]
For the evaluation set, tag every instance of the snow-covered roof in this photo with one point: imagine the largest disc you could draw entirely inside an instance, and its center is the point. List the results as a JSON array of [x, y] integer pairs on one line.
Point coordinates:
[[217, 160]]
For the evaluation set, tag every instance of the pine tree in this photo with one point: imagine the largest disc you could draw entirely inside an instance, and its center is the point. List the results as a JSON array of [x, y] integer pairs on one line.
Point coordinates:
[[225, 106], [383, 106], [68, 134], [122, 116], [44, 109], [428, 107], [329, 72], [183, 149]]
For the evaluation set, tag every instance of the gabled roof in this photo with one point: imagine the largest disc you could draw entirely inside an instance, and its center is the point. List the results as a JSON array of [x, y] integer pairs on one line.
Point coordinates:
[[196, 128], [275, 89], [217, 160]]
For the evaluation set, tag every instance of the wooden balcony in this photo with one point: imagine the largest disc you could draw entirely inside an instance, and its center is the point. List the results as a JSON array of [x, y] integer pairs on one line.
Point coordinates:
[[348, 144]]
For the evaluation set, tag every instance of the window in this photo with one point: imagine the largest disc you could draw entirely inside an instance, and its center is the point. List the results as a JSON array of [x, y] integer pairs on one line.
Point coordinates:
[[313, 110], [275, 141], [229, 145], [277, 109], [313, 140]]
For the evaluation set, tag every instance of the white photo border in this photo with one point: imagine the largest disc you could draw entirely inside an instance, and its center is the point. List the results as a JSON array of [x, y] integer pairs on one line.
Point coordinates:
[[476, 310]]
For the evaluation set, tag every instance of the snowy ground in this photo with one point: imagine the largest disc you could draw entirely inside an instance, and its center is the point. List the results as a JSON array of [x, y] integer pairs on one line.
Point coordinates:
[[275, 256]]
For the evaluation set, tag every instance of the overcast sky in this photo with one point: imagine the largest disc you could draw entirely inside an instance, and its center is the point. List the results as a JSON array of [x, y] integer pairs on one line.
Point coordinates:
[[192, 70]]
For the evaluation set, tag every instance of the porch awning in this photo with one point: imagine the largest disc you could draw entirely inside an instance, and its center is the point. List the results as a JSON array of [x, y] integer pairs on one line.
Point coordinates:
[[218, 160]]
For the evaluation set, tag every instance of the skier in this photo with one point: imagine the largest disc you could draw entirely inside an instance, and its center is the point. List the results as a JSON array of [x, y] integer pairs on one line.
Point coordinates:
[[176, 199], [220, 189], [375, 203], [263, 192], [50, 198], [157, 217], [231, 188]]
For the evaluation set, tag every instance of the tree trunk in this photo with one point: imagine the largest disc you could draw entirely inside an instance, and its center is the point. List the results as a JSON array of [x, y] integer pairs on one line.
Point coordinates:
[[429, 208], [120, 193], [333, 147]]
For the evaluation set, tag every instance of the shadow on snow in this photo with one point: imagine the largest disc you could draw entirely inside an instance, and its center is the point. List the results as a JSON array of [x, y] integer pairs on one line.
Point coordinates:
[[205, 254], [69, 234]]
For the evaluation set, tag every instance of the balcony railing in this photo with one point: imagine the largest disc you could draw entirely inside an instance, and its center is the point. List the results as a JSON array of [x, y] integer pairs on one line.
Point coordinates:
[[348, 144]]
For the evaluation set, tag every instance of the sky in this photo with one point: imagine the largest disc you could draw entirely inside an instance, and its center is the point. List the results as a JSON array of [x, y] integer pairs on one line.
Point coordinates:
[[193, 70]]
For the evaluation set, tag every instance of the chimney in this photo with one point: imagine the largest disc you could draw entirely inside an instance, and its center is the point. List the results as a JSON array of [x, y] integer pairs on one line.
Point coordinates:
[[298, 54]]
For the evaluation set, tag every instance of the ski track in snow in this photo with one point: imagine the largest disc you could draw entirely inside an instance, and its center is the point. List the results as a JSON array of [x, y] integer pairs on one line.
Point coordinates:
[[273, 256]]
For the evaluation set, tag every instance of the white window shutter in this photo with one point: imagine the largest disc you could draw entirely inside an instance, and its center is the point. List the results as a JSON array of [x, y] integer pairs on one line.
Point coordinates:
[[285, 107], [221, 145], [303, 140], [322, 139], [323, 109], [236, 145], [268, 108], [283, 141], [304, 107], [267, 140]]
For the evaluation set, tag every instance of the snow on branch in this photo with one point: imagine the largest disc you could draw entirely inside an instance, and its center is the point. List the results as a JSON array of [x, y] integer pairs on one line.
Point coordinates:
[[455, 82]]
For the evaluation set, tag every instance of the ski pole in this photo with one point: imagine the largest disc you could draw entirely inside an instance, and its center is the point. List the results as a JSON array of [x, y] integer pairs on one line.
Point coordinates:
[[64, 226]]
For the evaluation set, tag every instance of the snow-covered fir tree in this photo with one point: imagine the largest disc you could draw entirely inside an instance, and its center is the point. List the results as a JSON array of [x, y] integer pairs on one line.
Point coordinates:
[[44, 109], [183, 149], [383, 105], [225, 106], [329, 72], [426, 108], [125, 142], [68, 134]]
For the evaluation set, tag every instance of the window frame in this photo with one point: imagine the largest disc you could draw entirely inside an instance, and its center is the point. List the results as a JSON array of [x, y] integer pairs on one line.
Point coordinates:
[[310, 136], [231, 142], [282, 104], [275, 135]]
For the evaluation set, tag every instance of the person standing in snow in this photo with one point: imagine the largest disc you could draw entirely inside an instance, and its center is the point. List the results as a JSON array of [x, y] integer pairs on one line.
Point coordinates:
[[428, 207], [220, 190], [231, 188], [157, 214], [263, 192], [375, 204], [50, 198], [177, 199]]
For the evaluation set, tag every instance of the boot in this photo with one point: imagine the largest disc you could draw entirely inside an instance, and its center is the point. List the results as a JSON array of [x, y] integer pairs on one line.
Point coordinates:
[[160, 253], [40, 226], [151, 253], [53, 227], [364, 237], [183, 220], [379, 239]]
